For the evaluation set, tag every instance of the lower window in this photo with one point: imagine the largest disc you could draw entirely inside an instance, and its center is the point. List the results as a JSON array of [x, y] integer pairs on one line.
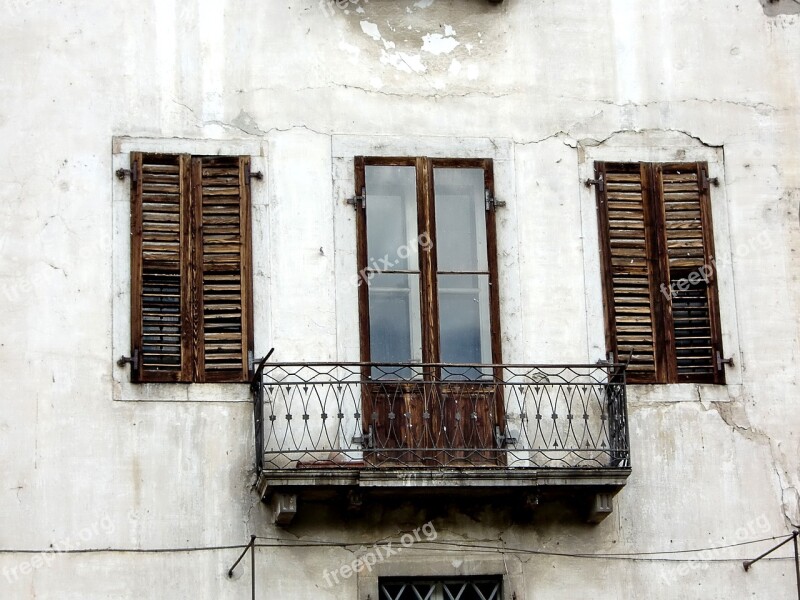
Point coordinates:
[[465, 588]]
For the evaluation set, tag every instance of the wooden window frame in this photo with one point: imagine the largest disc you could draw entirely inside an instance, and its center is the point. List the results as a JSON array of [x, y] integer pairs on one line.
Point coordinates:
[[192, 265], [426, 225], [654, 210]]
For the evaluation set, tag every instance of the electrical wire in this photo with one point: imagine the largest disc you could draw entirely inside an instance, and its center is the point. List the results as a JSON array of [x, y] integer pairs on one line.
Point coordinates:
[[431, 545]]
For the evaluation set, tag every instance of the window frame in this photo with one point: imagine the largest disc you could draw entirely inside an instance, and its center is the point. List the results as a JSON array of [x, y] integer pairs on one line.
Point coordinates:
[[654, 215], [426, 225]]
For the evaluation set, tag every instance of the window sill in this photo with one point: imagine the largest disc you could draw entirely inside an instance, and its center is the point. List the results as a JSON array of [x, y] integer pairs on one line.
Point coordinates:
[[654, 393], [125, 391]]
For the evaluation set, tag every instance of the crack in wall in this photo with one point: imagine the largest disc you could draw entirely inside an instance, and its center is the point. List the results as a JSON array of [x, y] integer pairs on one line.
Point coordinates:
[[735, 416]]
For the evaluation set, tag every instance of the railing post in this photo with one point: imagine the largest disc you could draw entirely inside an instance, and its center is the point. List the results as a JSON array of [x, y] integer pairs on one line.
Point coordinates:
[[257, 387], [258, 420], [617, 416]]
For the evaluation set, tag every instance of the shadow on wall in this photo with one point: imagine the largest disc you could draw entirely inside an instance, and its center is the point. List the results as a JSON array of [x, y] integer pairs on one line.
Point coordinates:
[[773, 8]]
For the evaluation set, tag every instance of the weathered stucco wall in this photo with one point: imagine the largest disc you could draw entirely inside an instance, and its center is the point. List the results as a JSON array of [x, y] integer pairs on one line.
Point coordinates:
[[547, 87]]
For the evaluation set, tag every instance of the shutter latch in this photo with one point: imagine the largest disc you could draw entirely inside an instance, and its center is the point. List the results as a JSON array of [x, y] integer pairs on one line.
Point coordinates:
[[721, 362], [601, 185], [359, 201], [491, 202], [133, 361]]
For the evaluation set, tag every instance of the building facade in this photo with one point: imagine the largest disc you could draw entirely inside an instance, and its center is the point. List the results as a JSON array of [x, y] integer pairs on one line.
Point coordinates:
[[436, 299]]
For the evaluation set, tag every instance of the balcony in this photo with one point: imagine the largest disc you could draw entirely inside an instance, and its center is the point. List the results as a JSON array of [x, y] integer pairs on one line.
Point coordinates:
[[365, 430]]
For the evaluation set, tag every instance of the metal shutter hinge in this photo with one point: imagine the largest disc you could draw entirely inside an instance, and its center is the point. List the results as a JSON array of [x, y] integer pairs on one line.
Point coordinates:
[[601, 185], [359, 201], [132, 173], [254, 175], [705, 180], [133, 361], [491, 202], [364, 440], [504, 439], [721, 362]]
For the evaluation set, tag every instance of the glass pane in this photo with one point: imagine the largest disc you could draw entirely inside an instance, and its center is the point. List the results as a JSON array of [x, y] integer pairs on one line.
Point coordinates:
[[464, 326], [460, 219], [394, 318], [391, 218]]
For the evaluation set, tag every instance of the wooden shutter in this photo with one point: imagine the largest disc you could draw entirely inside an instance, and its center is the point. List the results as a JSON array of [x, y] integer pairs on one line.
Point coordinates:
[[630, 274], [191, 292], [659, 272], [159, 256], [221, 291], [692, 317]]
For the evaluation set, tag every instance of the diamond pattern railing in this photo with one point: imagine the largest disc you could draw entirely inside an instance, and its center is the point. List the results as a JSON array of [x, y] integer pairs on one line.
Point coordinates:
[[357, 415]]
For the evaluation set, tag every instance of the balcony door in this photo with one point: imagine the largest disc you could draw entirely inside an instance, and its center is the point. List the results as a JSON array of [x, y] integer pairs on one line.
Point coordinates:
[[429, 307]]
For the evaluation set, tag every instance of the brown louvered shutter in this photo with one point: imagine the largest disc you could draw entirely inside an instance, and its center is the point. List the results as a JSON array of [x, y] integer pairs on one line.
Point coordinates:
[[222, 271], [688, 263], [630, 273], [159, 255], [191, 276]]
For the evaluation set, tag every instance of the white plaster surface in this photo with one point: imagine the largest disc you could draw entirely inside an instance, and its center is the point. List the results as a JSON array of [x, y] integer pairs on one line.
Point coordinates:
[[542, 87]]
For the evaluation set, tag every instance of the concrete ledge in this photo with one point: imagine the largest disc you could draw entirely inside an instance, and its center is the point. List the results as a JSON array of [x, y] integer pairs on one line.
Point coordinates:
[[432, 480]]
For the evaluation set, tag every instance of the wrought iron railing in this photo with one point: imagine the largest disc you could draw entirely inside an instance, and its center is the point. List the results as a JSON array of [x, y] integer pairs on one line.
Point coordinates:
[[358, 415]]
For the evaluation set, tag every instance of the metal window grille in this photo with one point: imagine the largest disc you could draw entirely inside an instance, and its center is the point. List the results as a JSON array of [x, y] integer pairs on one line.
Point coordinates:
[[444, 589]]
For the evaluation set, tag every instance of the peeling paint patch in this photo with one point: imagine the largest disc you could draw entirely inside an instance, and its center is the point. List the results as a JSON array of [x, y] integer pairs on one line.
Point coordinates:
[[436, 43], [371, 29], [423, 3], [244, 121]]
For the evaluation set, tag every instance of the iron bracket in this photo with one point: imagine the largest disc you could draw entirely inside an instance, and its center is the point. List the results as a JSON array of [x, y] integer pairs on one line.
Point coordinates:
[[133, 361]]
